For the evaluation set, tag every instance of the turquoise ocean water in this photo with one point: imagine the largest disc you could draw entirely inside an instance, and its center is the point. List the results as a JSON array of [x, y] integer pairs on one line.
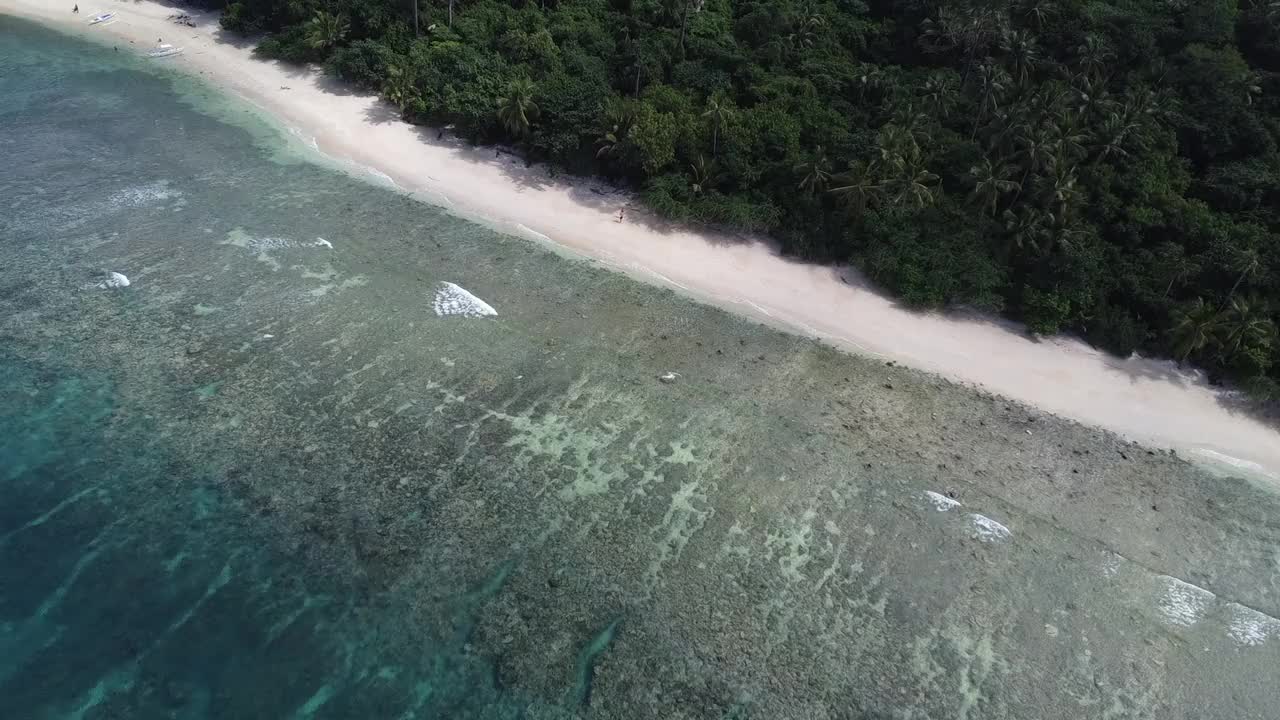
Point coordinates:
[[293, 471]]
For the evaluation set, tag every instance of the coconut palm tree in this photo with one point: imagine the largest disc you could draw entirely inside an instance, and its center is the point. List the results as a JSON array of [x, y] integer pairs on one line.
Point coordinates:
[[1247, 262], [517, 109], [1026, 228], [858, 186], [1068, 142], [1247, 324], [618, 117], [1023, 53], [1196, 326], [1112, 137], [704, 175], [1093, 55], [815, 173], [1061, 195], [719, 112], [940, 93], [991, 181], [911, 182], [1175, 264], [326, 29], [993, 82]]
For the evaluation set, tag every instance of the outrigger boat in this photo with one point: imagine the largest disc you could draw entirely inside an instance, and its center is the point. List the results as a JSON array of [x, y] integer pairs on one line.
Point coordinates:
[[164, 50], [101, 18]]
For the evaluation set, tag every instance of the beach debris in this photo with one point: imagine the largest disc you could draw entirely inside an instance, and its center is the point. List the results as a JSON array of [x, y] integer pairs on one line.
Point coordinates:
[[669, 377], [453, 300], [988, 530], [113, 281]]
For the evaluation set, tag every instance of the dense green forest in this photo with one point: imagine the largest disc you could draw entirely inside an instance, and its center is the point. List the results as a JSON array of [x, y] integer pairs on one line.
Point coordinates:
[[1108, 167]]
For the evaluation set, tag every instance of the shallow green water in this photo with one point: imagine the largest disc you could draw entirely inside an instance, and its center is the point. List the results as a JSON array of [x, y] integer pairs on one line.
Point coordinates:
[[268, 480]]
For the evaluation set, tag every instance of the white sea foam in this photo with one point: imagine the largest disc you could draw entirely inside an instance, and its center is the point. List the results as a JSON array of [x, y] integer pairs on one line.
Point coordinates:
[[988, 530], [240, 238], [308, 139], [1182, 603], [140, 195], [534, 233], [453, 300], [1111, 563], [382, 176], [941, 502], [113, 281], [1250, 627]]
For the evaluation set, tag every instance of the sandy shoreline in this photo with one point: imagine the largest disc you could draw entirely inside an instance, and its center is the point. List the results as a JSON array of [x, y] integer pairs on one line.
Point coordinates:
[[1153, 402]]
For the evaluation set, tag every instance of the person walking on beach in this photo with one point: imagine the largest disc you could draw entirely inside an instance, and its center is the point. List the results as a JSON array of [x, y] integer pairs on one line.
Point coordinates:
[[621, 211]]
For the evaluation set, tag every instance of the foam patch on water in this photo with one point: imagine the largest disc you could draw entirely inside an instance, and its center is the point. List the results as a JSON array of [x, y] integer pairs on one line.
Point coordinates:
[[1250, 627], [240, 238], [140, 195], [456, 301], [381, 176], [941, 502], [988, 530], [113, 281], [1182, 603]]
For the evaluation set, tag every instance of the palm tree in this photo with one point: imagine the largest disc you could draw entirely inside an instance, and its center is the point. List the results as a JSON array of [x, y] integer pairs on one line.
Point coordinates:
[[1248, 263], [911, 182], [990, 182], [894, 140], [1026, 228], [858, 185], [704, 175], [1061, 193], [807, 30], [1247, 324], [1093, 55], [815, 174], [1111, 137], [1195, 327], [1175, 263], [326, 29], [618, 117], [400, 87], [517, 109], [719, 112], [1036, 152], [1023, 52], [1038, 12], [1068, 142], [993, 82], [870, 77], [940, 93]]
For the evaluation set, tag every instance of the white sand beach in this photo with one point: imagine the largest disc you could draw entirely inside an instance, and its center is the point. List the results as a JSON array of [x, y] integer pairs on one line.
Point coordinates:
[[1153, 402]]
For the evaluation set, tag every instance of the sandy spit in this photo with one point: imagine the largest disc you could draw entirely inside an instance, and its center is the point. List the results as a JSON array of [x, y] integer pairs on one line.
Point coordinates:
[[1153, 402]]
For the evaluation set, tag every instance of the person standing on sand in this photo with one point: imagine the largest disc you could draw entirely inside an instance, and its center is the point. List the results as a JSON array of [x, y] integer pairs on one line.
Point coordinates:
[[621, 211]]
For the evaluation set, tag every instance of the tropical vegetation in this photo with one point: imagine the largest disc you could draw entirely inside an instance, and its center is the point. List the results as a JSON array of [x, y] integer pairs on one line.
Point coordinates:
[[1106, 167]]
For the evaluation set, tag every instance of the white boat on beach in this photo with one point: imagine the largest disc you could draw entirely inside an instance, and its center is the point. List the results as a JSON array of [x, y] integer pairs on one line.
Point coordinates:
[[164, 50], [101, 18]]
